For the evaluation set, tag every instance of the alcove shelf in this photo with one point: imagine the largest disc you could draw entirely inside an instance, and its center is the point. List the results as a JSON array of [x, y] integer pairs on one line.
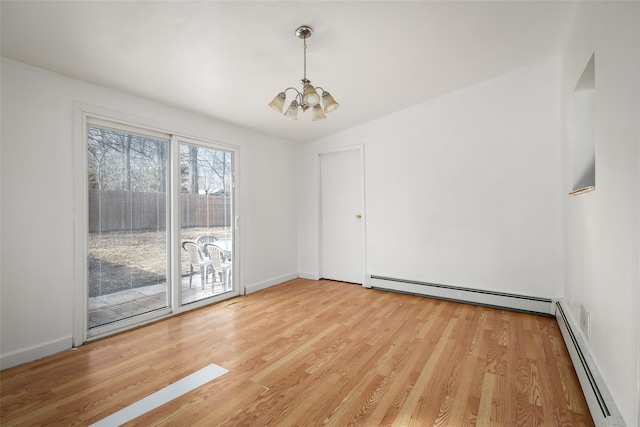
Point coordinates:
[[583, 190]]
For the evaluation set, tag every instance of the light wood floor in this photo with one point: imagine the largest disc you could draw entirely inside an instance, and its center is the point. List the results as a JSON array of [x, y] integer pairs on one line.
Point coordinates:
[[315, 353]]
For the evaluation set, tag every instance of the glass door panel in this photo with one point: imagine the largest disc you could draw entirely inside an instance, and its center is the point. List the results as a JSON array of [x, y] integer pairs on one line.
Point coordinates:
[[206, 225], [127, 242]]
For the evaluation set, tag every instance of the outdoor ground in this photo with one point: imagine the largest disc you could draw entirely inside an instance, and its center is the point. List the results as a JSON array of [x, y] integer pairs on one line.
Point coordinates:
[[120, 260]]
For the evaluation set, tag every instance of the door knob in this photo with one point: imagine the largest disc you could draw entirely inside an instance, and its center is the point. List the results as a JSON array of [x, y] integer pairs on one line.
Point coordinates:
[[358, 216]]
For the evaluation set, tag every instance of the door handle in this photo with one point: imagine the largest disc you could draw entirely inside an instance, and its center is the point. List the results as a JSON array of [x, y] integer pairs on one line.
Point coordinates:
[[358, 216]]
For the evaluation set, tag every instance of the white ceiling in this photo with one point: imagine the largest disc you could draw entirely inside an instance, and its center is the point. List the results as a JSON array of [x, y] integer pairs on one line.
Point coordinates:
[[228, 59]]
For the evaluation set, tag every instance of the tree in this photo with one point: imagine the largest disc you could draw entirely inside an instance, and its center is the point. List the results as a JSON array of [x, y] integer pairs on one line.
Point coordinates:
[[125, 161]]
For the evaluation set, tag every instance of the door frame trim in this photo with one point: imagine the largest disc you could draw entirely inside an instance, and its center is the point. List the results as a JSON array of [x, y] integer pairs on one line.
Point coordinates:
[[360, 149]]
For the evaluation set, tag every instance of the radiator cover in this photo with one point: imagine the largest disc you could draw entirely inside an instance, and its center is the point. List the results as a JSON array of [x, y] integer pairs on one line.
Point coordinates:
[[603, 409], [524, 303]]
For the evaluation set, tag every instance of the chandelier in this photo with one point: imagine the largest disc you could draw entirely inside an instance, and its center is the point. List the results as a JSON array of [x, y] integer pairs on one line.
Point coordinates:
[[309, 97]]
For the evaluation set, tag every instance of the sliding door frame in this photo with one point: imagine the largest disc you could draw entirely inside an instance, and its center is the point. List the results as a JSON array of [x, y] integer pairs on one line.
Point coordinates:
[[82, 113]]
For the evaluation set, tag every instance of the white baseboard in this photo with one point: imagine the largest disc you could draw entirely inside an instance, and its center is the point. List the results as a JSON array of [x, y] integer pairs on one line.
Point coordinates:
[[310, 276], [601, 405], [35, 352], [271, 282], [468, 295]]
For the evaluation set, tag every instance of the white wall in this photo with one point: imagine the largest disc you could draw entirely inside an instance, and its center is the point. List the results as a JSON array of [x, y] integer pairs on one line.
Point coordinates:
[[602, 227], [463, 190], [37, 277]]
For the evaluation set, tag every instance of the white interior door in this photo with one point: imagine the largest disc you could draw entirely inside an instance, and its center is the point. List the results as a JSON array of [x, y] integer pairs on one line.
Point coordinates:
[[342, 216]]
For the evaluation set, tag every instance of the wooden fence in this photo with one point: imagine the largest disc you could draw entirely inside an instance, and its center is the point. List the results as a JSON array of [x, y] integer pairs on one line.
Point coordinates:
[[122, 210]]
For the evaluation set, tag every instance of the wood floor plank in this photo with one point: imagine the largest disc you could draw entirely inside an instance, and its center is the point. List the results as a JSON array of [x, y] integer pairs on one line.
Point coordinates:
[[314, 353]]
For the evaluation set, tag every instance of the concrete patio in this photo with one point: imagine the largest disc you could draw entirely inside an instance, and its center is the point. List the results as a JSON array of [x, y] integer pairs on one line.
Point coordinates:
[[116, 306]]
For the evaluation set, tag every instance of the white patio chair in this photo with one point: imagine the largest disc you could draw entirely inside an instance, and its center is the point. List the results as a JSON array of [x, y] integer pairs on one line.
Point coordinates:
[[219, 266], [197, 258], [204, 239]]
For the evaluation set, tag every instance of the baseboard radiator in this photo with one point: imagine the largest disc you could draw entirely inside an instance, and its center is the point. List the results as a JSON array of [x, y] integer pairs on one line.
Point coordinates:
[[468, 295], [603, 409]]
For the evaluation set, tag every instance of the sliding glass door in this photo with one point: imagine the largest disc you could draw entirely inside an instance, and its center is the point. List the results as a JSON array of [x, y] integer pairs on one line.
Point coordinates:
[[160, 225], [127, 239], [206, 229]]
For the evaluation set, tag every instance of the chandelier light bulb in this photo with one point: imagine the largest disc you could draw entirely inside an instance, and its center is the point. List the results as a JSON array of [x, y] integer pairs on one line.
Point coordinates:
[[329, 103], [278, 102], [292, 111], [310, 97], [318, 114]]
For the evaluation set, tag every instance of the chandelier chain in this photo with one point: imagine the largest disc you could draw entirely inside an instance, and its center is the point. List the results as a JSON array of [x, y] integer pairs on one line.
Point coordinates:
[[305, 57]]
